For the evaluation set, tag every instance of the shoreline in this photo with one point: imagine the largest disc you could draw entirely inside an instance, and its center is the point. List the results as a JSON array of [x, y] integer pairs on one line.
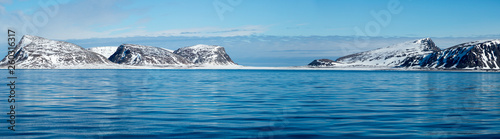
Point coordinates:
[[238, 67]]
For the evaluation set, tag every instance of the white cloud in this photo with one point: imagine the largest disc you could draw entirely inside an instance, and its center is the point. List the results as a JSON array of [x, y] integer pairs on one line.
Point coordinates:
[[104, 19], [213, 31], [78, 19]]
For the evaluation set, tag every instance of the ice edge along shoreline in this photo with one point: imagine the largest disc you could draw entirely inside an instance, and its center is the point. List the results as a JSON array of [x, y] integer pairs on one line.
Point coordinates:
[[304, 68]]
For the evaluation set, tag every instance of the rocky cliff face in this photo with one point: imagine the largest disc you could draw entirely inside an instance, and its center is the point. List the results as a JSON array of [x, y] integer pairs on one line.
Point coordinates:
[[472, 55], [34, 52], [205, 55], [139, 55], [392, 55]]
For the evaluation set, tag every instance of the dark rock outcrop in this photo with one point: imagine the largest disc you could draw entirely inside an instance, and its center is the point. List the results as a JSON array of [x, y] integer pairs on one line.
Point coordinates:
[[472, 55], [139, 55], [322, 63], [205, 55]]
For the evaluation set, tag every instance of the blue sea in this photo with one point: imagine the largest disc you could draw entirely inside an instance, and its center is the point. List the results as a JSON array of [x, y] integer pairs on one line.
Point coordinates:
[[252, 104]]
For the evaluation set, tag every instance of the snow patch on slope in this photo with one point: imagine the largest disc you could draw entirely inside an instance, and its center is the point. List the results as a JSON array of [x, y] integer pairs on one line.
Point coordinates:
[[392, 55], [140, 55], [472, 55], [106, 51], [34, 52]]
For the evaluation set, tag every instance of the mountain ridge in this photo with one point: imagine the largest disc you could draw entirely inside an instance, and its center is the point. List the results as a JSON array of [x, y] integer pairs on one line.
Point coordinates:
[[424, 54], [35, 52], [205, 55], [140, 55], [470, 55], [391, 55]]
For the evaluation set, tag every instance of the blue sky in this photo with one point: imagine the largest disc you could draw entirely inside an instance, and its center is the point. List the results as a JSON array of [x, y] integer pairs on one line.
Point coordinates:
[[255, 32], [76, 19]]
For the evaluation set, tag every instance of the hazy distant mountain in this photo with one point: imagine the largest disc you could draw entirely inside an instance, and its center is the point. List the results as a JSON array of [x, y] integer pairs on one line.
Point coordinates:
[[34, 52], [205, 55]]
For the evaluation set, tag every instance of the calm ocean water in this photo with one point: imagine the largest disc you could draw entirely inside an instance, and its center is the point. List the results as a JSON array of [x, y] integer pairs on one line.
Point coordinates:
[[253, 104]]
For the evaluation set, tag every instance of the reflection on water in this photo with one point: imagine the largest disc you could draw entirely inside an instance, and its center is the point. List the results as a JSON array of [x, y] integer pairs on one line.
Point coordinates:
[[255, 104]]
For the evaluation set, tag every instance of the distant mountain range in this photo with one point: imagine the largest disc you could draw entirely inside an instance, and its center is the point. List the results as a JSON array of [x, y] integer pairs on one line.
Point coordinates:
[[422, 54], [33, 52]]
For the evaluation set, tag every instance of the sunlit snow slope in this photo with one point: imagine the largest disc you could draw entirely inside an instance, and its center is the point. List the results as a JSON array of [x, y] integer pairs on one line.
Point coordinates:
[[34, 52]]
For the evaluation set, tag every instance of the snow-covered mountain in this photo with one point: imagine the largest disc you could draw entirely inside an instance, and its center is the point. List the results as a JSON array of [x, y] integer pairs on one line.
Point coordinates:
[[106, 51], [139, 55], [205, 55], [323, 63], [392, 55], [34, 52], [471, 55], [423, 53]]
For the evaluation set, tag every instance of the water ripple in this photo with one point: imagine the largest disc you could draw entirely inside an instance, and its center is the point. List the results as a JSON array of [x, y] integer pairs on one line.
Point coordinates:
[[255, 104]]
